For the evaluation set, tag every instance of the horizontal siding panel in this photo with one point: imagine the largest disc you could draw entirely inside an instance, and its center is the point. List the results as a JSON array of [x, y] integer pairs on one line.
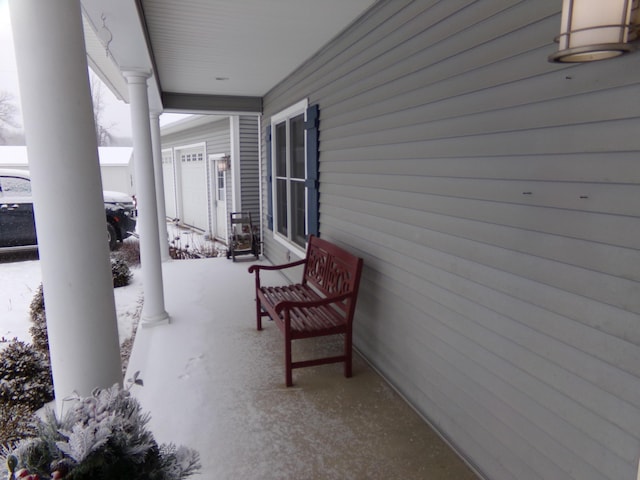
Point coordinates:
[[619, 137], [454, 419], [614, 291], [416, 124], [470, 324], [582, 196], [508, 297], [476, 43], [442, 380], [622, 167], [590, 255], [619, 231], [441, 338], [477, 96], [249, 167], [552, 140]]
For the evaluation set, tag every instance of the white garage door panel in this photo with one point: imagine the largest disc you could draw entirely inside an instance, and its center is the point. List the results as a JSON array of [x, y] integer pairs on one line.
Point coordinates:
[[194, 188], [169, 185]]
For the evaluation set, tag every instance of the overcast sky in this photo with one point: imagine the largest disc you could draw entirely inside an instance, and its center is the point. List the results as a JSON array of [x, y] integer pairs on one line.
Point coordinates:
[[116, 112]]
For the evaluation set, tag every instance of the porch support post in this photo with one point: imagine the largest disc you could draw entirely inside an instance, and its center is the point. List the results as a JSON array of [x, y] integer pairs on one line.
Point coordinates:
[[153, 311], [157, 167], [65, 171]]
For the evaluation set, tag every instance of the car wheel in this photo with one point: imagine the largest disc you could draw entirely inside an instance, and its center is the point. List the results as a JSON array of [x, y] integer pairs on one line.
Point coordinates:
[[111, 236]]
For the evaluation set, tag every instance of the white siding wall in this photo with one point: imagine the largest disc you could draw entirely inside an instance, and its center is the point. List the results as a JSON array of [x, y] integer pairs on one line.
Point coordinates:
[[117, 178], [495, 199]]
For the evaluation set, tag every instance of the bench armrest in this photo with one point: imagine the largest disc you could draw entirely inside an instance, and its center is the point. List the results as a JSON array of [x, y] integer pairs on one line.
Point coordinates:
[[256, 268], [289, 304]]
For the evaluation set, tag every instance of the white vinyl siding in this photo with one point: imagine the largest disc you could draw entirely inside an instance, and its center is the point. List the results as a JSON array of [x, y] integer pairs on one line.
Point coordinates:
[[495, 198]]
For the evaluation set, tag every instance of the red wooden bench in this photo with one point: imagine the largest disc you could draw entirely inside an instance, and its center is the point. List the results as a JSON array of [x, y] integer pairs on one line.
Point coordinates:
[[322, 304]]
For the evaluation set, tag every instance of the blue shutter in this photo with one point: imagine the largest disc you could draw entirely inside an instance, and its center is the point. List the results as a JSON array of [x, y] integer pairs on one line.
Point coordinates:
[[313, 195], [269, 182]]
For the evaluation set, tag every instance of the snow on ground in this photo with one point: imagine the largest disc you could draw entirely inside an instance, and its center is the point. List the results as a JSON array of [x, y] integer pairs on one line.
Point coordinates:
[[19, 281]]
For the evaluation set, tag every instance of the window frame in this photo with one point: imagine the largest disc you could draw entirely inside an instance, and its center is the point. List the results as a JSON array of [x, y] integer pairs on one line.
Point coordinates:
[[295, 110]]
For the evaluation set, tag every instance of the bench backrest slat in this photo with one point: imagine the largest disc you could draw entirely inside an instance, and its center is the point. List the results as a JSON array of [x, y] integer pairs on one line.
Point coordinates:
[[333, 271]]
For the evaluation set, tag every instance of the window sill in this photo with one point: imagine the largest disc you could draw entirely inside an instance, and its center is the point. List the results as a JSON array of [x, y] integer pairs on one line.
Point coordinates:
[[294, 248]]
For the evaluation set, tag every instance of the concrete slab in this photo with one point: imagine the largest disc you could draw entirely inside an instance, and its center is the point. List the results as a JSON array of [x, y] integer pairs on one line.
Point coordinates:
[[214, 383]]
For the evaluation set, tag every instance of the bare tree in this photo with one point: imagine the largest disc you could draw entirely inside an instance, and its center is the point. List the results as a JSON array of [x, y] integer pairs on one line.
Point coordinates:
[[103, 131], [8, 114]]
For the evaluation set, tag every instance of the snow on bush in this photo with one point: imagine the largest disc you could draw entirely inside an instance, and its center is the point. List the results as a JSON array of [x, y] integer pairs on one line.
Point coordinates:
[[103, 436], [120, 272], [25, 376]]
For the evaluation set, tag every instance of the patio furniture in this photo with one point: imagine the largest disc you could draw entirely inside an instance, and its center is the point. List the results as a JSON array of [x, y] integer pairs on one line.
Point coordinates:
[[244, 238], [323, 303]]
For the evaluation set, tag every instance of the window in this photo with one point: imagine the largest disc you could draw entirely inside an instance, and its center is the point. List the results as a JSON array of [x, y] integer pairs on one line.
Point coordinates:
[[289, 169], [220, 186], [292, 174]]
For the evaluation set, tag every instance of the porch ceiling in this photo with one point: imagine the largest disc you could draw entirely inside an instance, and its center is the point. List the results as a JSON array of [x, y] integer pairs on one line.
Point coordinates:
[[213, 47]]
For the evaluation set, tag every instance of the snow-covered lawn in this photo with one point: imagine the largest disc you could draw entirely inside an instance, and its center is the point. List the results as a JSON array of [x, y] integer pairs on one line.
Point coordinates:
[[18, 283]]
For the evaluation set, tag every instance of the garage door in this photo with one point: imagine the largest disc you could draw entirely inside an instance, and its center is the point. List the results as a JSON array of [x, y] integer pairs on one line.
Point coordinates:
[[193, 183], [169, 179]]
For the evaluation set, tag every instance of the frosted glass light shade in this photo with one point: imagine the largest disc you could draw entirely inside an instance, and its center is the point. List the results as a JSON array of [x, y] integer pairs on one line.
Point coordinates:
[[593, 30]]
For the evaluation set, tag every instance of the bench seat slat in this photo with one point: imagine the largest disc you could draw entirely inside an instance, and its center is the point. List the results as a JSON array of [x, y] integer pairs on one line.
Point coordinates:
[[306, 322]]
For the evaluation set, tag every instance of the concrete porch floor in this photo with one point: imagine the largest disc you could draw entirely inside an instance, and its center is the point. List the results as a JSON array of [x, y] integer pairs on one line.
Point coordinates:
[[214, 383]]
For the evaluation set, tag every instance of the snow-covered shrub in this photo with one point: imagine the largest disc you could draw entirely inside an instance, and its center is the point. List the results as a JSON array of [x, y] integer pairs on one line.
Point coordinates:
[[15, 423], [129, 251], [38, 329], [103, 436], [25, 376], [120, 272]]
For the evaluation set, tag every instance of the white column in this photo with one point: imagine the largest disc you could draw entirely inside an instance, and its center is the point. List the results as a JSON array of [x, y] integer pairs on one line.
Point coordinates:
[[157, 166], [67, 194], [153, 312]]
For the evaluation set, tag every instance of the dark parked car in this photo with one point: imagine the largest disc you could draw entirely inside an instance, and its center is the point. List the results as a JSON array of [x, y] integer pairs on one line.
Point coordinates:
[[17, 225]]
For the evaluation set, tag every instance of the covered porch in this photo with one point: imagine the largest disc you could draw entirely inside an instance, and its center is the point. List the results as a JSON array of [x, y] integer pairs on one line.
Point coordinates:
[[214, 383]]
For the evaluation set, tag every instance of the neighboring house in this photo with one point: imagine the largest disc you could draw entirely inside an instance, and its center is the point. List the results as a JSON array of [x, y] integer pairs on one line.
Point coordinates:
[[210, 169], [116, 165], [495, 199]]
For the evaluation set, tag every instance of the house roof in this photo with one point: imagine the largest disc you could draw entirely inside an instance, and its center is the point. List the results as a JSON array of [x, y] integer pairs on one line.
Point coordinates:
[[190, 122], [214, 55], [16, 156]]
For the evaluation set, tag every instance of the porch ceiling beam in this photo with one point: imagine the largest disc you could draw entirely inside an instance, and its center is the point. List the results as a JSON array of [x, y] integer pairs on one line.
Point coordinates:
[[197, 103]]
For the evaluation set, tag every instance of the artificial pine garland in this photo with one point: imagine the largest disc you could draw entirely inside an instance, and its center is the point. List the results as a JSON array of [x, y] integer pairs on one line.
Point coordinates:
[[100, 437]]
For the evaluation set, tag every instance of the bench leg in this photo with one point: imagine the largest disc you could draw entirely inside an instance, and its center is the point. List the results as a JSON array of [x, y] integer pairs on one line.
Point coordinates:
[[348, 350], [287, 361], [258, 313]]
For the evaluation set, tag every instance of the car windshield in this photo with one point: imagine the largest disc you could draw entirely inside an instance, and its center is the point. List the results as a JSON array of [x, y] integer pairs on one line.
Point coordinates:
[[16, 185]]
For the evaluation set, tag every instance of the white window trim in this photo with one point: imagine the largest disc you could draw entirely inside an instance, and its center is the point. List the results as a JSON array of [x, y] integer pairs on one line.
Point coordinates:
[[293, 110]]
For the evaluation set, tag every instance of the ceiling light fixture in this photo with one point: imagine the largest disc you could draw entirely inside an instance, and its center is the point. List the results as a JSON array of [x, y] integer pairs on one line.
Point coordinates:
[[595, 30]]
